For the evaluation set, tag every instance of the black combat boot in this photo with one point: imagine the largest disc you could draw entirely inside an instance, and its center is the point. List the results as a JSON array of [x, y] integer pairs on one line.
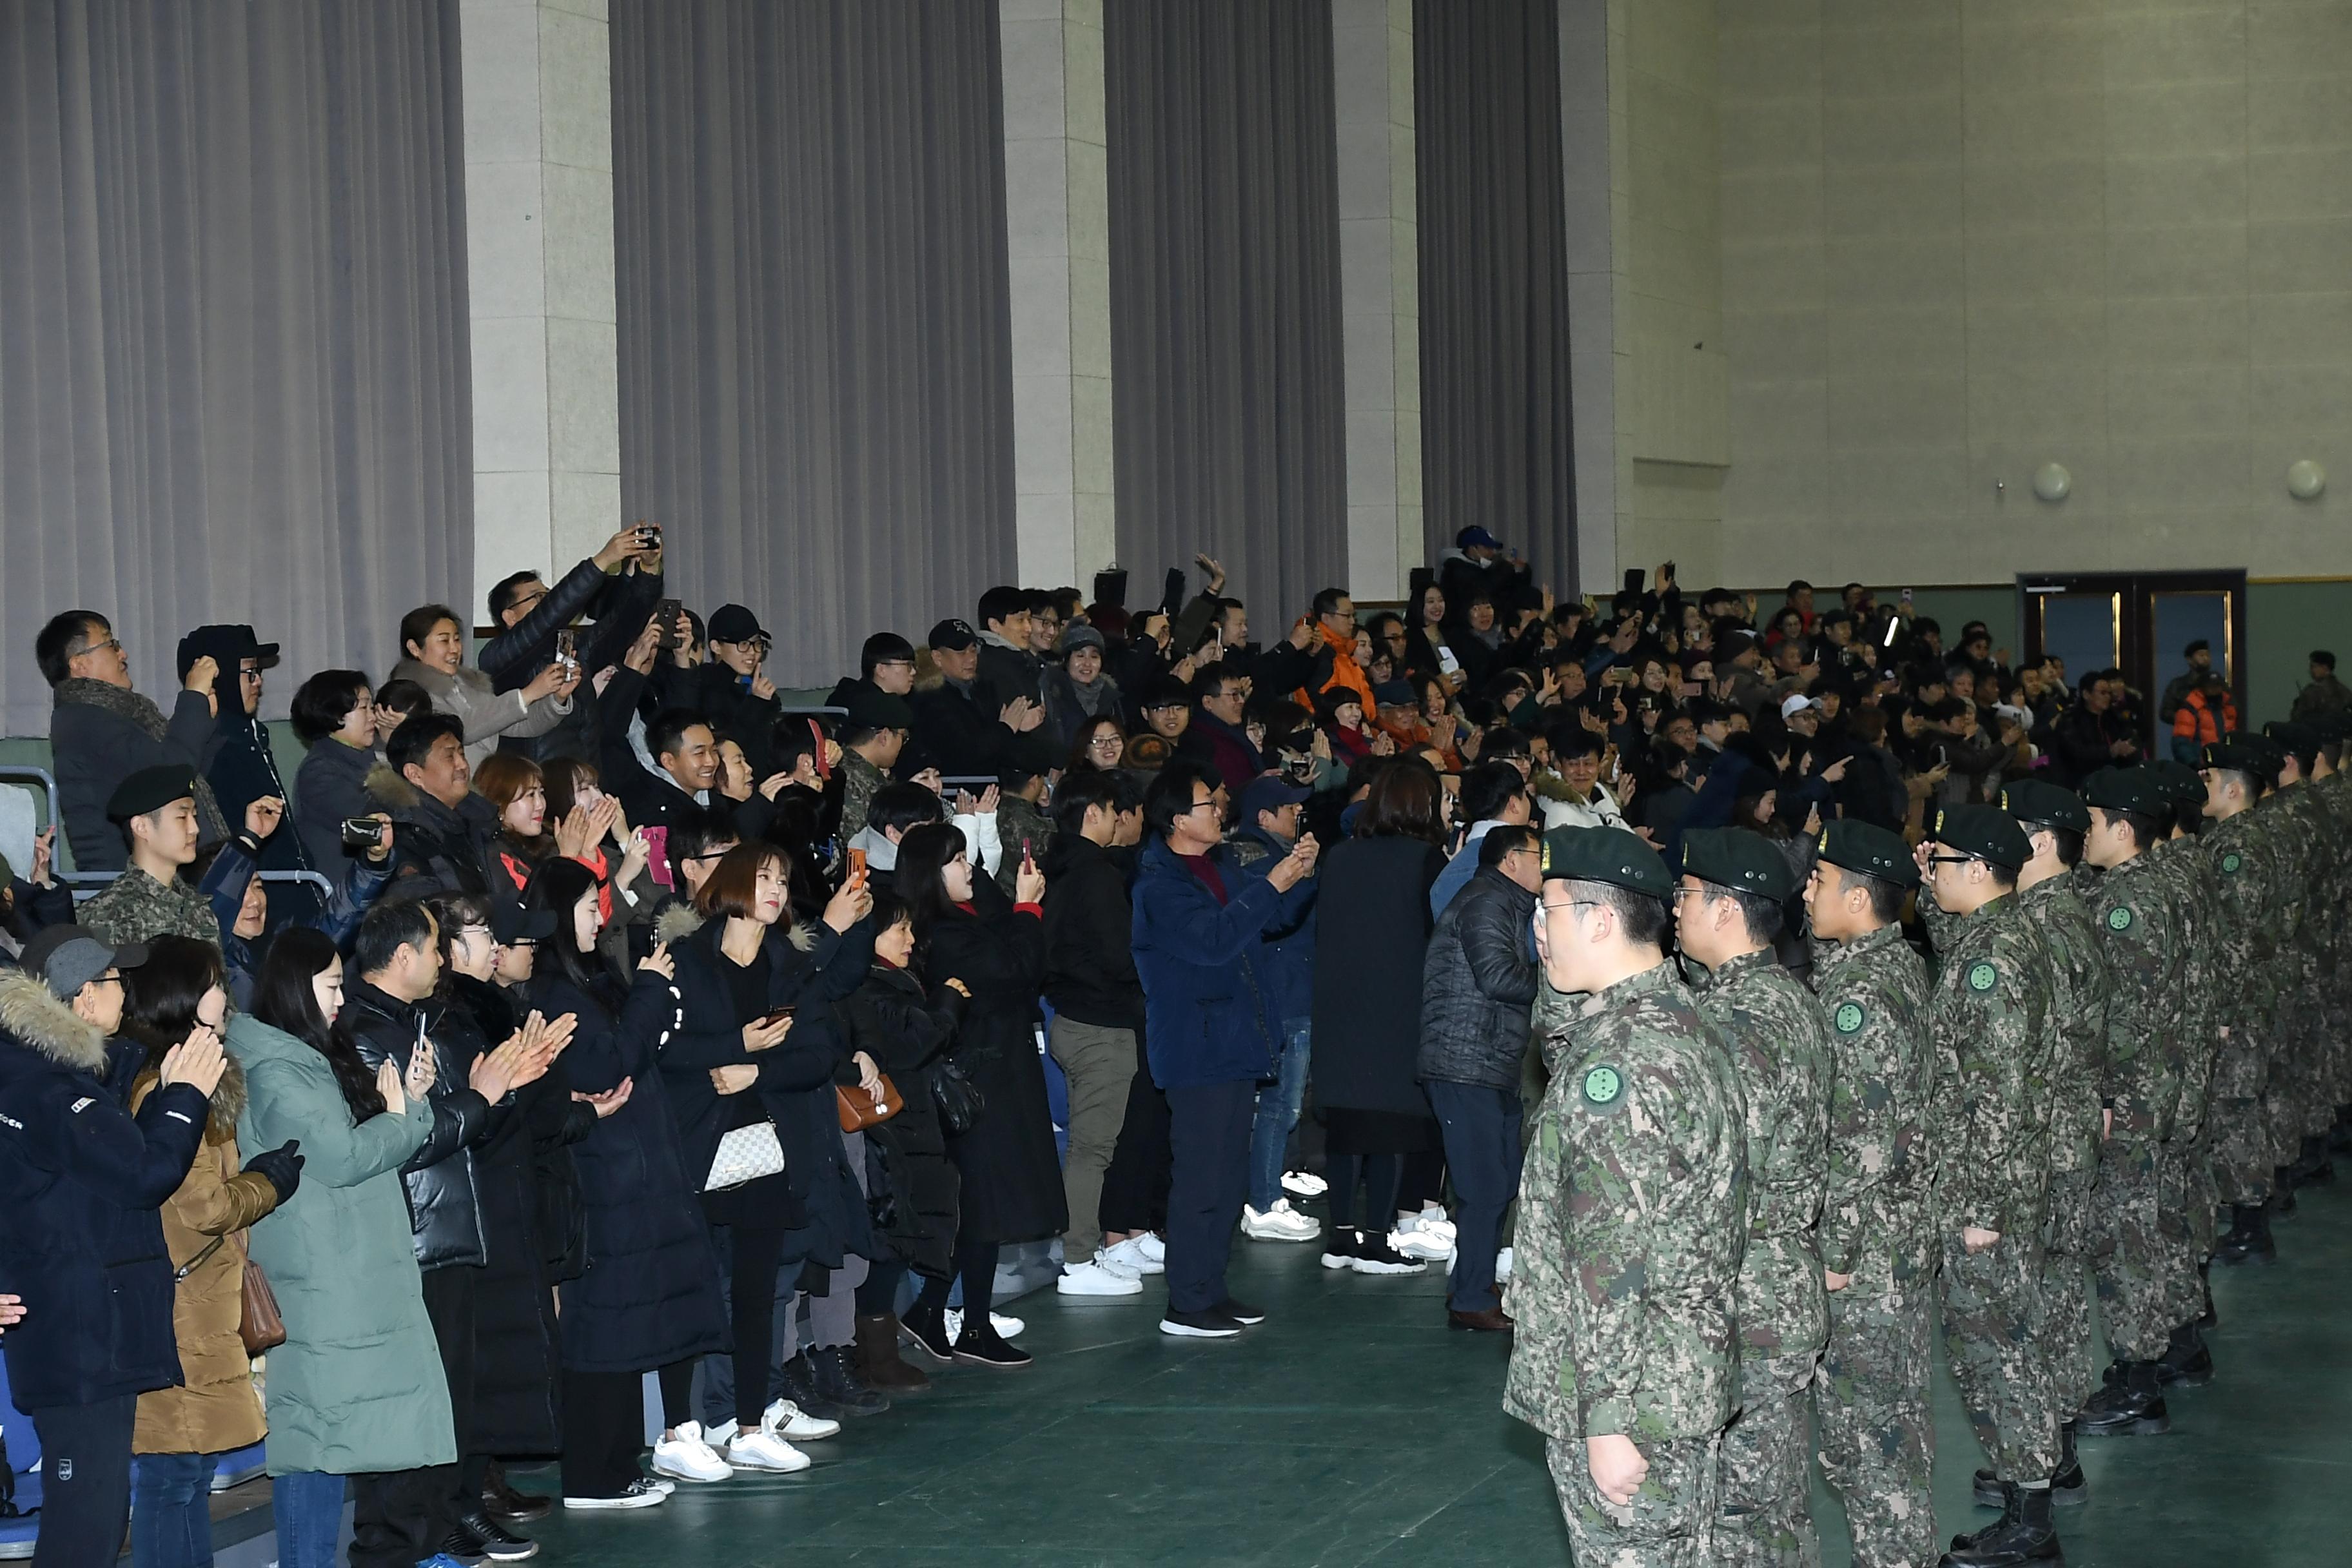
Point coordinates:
[[2129, 1406], [2248, 1239], [2208, 1318], [841, 1386], [2339, 1137], [2315, 1168], [2022, 1534], [801, 1388], [2281, 1201], [2066, 1484], [2187, 1360]]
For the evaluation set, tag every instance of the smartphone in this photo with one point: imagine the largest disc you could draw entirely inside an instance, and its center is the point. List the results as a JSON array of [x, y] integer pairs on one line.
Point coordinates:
[[648, 535], [1907, 595], [856, 866], [567, 647], [665, 615], [360, 832], [769, 1020], [1634, 576]]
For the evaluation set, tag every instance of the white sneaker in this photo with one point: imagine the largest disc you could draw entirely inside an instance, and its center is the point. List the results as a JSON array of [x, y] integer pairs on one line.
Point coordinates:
[[1503, 1265], [1422, 1243], [1280, 1223], [1430, 1220], [1387, 1254], [1006, 1328], [765, 1450], [1129, 1257], [1304, 1185], [688, 1458], [790, 1420], [1090, 1279], [640, 1493], [1153, 1247]]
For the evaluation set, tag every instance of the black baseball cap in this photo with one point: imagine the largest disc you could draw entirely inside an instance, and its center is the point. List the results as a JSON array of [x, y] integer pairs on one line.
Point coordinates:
[[511, 924], [954, 636], [733, 623]]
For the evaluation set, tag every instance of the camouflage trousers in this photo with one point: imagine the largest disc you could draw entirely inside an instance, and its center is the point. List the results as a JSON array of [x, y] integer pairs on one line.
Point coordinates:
[[1671, 1523], [2185, 1191], [2142, 1252], [1877, 1436], [2243, 1167], [1765, 1482], [2071, 1238], [1993, 1325]]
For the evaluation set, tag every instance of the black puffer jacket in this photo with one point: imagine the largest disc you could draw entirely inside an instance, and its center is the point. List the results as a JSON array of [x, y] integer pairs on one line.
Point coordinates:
[[1478, 984], [906, 1034], [1089, 960], [444, 1209], [618, 607]]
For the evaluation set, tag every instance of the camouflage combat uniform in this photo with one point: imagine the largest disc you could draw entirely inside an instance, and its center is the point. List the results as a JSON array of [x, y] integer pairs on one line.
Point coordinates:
[[2055, 909], [1993, 1026], [2308, 854], [859, 780], [2186, 1156], [2242, 974], [2144, 1247], [1780, 1044], [1633, 1210], [135, 906], [1018, 822], [1877, 1436], [2334, 793]]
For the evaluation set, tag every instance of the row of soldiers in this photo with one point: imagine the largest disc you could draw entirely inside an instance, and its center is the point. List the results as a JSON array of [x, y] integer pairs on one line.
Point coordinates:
[[1748, 1191]]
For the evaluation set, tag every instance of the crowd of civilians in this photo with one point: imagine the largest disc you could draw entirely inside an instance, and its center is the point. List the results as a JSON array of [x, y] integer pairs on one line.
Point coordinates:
[[633, 1022]]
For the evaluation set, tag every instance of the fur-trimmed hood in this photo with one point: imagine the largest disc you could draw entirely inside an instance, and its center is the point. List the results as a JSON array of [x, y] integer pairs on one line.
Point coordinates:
[[388, 789], [228, 1095], [680, 920], [42, 1024]]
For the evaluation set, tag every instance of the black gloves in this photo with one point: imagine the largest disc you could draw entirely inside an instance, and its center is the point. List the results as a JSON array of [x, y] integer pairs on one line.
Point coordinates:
[[282, 1167]]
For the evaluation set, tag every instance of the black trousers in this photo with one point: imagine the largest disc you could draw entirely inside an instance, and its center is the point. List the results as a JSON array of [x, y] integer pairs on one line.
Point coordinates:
[[755, 1253], [85, 1481], [449, 1304], [1135, 1187], [401, 1517], [605, 1425], [1481, 1145], [1208, 1135]]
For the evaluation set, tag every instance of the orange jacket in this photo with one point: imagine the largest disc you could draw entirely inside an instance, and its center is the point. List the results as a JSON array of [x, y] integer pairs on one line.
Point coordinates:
[[1344, 670], [2193, 720]]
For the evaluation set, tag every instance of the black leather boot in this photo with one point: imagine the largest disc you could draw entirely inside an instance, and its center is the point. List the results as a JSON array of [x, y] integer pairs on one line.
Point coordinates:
[[801, 1388], [2315, 1169], [2187, 1359], [842, 1386], [2129, 1406], [2339, 1137], [2281, 1201], [2248, 1239], [2208, 1318], [507, 1506], [2022, 1534]]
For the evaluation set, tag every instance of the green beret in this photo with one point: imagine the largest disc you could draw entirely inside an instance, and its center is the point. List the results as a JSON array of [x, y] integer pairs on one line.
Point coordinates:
[[2234, 755], [1605, 854], [2044, 804], [2329, 729], [1985, 832], [2301, 740], [2142, 790], [150, 789], [1870, 849], [1738, 859], [2180, 781]]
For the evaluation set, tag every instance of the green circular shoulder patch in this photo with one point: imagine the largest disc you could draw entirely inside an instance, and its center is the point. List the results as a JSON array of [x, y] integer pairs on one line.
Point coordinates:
[[2119, 919], [1982, 977], [1847, 1018], [2231, 862], [1602, 1086]]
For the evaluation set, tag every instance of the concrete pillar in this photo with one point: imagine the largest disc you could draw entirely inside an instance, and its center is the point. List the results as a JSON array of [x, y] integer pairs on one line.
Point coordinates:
[[1379, 291], [539, 246], [1592, 151], [1057, 241]]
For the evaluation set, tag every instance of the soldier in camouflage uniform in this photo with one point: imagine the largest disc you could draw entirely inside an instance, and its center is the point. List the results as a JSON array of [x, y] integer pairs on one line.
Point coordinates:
[[2049, 891], [1633, 1210], [871, 738], [157, 809], [1877, 1246], [2317, 850], [1992, 1019], [2185, 1164], [2244, 970], [2147, 1246], [2333, 788], [1728, 914], [1021, 817]]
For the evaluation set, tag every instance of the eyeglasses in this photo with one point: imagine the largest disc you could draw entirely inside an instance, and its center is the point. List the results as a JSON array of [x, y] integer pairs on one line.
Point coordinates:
[[1948, 859], [115, 643], [1575, 904]]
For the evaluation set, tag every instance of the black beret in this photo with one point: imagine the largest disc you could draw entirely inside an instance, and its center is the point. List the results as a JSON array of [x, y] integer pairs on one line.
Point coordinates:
[[1870, 849], [1985, 832], [2179, 781], [1605, 854], [2236, 756], [2045, 803], [150, 789], [1738, 859], [2142, 790], [2301, 740], [871, 709]]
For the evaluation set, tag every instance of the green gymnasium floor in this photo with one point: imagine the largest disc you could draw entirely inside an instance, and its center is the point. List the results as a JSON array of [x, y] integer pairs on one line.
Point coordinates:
[[1353, 1428]]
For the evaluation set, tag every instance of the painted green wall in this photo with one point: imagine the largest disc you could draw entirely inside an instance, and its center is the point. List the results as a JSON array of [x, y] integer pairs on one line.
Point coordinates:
[[2284, 621]]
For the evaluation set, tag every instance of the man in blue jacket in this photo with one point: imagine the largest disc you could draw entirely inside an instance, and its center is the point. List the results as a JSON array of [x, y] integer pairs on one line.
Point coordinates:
[[81, 1180], [1208, 1031], [1265, 828]]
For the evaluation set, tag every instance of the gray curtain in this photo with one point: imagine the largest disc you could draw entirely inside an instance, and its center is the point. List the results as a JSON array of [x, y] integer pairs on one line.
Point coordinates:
[[233, 337], [1229, 429], [1495, 444], [815, 347]]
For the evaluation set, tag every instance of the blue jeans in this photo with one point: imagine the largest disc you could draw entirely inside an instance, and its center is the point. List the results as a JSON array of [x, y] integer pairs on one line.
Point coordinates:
[[170, 1510], [1277, 1114], [309, 1510], [1482, 1150]]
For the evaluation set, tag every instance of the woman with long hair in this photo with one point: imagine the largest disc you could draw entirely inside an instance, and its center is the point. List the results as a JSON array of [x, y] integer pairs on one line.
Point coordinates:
[[590, 825], [1100, 742], [515, 788], [756, 1048], [968, 931], [1370, 940], [181, 1432], [356, 1391], [648, 1298]]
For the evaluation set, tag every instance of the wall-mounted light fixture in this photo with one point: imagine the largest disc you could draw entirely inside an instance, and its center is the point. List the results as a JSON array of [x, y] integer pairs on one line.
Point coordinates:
[[2052, 482], [2306, 479]]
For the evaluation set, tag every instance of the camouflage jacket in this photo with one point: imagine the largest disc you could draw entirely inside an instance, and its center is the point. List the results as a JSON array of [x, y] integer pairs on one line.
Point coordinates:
[[2138, 925], [1632, 1212], [1779, 1044], [859, 780], [1018, 820], [135, 906], [2056, 909], [1873, 990], [2242, 977], [2187, 878], [1993, 1023]]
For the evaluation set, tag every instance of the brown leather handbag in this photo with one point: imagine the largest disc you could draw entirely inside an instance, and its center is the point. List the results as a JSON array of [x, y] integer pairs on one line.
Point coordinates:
[[257, 1324], [858, 1111]]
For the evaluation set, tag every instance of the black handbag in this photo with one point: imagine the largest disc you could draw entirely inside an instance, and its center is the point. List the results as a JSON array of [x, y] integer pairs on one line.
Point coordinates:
[[957, 1098]]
